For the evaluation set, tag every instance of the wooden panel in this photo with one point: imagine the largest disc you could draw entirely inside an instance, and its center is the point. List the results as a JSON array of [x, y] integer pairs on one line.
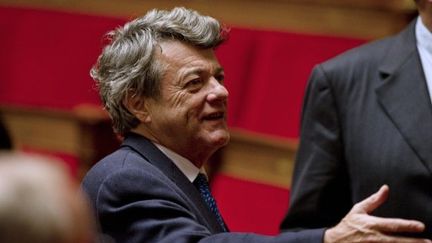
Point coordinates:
[[42, 130], [260, 158], [355, 18], [85, 132]]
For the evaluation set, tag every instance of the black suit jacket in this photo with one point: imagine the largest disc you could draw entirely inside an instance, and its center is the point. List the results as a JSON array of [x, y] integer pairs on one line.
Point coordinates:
[[367, 121], [139, 195]]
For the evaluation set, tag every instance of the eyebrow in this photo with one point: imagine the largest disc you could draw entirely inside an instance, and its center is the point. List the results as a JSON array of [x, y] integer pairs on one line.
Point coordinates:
[[198, 70]]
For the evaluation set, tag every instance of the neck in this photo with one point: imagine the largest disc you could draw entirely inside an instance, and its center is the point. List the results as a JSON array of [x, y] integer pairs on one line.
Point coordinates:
[[197, 156]]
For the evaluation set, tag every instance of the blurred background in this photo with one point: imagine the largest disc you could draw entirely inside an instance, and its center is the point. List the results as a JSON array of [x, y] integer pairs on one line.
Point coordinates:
[[49, 104]]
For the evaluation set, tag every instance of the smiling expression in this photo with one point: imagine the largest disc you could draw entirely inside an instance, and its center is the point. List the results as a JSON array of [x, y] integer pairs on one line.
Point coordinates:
[[189, 117]]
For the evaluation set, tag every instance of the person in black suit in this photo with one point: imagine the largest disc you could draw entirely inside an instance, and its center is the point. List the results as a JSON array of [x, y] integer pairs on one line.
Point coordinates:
[[367, 121], [162, 85]]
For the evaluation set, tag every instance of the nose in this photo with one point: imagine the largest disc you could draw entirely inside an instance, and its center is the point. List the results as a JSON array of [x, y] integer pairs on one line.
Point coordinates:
[[218, 92]]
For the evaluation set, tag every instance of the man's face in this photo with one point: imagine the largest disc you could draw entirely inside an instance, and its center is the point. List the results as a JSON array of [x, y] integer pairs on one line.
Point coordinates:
[[190, 115]]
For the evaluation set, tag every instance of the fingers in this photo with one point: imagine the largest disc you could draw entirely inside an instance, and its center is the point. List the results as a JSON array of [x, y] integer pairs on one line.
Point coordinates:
[[373, 201], [393, 239], [392, 225], [359, 226], [385, 224]]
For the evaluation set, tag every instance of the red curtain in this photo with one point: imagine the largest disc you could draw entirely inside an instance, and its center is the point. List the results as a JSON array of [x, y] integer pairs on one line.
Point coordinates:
[[46, 57], [266, 74]]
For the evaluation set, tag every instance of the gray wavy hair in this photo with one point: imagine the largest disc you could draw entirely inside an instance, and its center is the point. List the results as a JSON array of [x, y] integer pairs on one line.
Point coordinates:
[[127, 66]]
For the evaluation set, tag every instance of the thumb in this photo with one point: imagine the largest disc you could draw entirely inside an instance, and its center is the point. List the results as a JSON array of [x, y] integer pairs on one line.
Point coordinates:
[[373, 201]]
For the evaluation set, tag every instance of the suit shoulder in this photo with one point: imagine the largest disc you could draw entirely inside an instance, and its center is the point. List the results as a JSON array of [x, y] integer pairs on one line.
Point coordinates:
[[369, 54], [122, 160], [116, 160]]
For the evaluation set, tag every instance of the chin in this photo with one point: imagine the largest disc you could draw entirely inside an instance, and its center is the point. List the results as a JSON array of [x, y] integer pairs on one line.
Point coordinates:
[[221, 139]]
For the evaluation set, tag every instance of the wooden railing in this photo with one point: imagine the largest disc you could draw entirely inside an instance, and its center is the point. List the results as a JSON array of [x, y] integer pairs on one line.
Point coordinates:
[[260, 158], [85, 132]]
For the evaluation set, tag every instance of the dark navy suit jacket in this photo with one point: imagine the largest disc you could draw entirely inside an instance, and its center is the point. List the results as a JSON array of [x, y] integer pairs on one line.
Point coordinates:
[[140, 196]]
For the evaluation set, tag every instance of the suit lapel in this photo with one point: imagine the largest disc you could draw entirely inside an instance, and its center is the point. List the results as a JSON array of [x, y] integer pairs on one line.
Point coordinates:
[[403, 94], [158, 159]]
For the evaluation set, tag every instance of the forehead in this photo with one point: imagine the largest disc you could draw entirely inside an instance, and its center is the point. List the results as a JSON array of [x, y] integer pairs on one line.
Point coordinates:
[[179, 55]]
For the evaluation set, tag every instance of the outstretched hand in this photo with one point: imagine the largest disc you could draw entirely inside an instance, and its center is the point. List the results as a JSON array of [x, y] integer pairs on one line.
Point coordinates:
[[359, 226]]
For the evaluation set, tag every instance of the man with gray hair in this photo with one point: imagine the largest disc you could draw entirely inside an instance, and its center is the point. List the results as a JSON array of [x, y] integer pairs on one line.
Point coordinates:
[[163, 87]]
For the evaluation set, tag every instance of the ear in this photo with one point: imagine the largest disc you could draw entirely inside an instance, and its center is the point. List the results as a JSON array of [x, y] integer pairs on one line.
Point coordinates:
[[137, 105]]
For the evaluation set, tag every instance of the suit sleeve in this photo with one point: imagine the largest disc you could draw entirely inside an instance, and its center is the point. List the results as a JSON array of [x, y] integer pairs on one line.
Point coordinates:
[[320, 194], [134, 208]]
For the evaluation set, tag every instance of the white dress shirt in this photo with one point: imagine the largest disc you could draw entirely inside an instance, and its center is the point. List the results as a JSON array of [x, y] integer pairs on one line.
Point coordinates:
[[424, 46], [184, 165]]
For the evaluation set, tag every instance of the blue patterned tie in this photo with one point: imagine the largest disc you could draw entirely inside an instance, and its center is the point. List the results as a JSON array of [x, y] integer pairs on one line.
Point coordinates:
[[202, 184]]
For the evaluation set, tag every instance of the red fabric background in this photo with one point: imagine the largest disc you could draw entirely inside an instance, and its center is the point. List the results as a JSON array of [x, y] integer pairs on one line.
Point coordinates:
[[45, 57], [266, 74], [249, 206]]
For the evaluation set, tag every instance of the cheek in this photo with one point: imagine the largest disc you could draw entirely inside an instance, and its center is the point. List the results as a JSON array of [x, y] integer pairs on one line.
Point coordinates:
[[187, 105], [194, 106], [177, 99]]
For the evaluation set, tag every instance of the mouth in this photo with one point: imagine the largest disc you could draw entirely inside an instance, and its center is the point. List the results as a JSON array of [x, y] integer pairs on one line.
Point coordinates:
[[214, 116]]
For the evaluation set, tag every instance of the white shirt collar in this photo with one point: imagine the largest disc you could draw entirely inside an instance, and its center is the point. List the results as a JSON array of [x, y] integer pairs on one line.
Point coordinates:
[[424, 36], [184, 165]]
